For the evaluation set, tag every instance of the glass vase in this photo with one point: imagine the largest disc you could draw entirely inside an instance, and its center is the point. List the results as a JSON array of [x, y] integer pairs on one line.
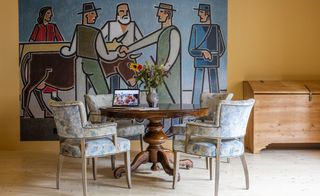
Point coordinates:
[[152, 98]]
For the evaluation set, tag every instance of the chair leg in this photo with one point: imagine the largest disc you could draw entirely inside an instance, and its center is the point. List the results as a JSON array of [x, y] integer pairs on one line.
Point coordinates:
[[84, 175], [141, 142], [59, 167], [217, 173], [245, 168], [128, 168], [207, 162], [113, 162], [176, 169], [210, 166], [94, 167]]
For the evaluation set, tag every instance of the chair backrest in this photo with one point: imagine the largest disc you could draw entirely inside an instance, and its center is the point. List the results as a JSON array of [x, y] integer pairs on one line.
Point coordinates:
[[70, 118], [211, 100], [233, 117], [95, 102]]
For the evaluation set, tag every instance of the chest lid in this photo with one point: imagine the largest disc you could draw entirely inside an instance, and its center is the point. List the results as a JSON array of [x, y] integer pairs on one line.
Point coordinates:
[[313, 86], [279, 87]]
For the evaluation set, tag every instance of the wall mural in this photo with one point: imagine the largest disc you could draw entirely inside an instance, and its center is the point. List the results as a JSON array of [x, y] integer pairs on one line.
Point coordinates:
[[71, 48]]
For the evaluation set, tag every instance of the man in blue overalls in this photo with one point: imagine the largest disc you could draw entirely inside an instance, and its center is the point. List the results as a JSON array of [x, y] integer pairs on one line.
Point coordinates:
[[206, 45]]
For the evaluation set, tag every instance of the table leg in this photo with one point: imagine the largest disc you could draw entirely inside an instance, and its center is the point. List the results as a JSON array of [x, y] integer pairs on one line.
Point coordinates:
[[184, 163], [141, 158], [155, 153]]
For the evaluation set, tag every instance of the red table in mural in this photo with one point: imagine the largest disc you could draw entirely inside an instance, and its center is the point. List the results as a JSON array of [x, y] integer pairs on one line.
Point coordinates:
[[155, 136]]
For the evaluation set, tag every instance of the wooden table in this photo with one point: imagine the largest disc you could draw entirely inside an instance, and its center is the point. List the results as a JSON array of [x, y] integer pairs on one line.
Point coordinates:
[[155, 136]]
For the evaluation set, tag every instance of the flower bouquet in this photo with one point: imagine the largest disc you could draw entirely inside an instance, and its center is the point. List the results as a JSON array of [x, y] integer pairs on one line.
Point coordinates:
[[152, 76]]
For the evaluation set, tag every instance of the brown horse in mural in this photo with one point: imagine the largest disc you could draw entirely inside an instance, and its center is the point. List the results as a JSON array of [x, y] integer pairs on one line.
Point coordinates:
[[58, 72]]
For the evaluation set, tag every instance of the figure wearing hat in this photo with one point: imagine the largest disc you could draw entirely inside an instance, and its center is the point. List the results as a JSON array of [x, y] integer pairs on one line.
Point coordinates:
[[168, 46], [88, 43], [206, 45]]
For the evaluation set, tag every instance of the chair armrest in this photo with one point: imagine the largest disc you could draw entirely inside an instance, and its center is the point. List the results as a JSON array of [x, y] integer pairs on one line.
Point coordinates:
[[100, 130], [202, 129], [202, 124], [96, 117]]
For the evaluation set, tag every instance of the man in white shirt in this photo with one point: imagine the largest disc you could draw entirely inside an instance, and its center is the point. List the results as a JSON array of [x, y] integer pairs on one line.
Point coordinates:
[[122, 27]]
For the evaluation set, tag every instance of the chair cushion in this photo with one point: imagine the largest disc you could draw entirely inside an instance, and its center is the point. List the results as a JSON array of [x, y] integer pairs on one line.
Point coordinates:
[[125, 128], [207, 147], [94, 147]]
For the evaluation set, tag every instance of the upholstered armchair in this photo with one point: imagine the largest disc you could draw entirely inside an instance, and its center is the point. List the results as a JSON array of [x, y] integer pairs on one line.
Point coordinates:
[[210, 100], [126, 127], [81, 139], [223, 139]]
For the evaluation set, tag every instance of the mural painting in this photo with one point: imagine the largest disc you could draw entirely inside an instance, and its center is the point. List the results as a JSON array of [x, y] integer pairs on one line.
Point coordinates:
[[206, 45], [121, 29], [68, 49]]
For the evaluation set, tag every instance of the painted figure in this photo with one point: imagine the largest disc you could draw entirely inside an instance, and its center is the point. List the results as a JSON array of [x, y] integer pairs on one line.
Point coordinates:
[[88, 43], [44, 31], [206, 45], [168, 46], [121, 28]]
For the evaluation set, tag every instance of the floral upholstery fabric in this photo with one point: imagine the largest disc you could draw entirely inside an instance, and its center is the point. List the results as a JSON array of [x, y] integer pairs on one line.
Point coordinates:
[[233, 117], [98, 130], [210, 100], [230, 148], [201, 138], [179, 129], [96, 117], [69, 118], [95, 147], [208, 147], [125, 128], [73, 128], [94, 102], [179, 143]]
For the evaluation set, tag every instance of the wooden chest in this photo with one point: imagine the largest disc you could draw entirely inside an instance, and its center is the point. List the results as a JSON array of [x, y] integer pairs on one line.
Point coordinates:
[[284, 112]]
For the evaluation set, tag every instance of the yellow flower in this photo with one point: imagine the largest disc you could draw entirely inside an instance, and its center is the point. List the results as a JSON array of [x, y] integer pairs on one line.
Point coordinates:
[[135, 67]]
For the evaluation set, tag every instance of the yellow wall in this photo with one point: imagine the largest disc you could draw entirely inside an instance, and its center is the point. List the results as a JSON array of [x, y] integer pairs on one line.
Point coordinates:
[[267, 40]]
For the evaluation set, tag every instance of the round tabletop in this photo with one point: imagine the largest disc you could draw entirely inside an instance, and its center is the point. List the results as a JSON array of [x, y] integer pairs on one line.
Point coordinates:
[[163, 111]]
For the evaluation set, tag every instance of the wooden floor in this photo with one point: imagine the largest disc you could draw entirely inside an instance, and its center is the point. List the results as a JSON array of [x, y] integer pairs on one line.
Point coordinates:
[[273, 172]]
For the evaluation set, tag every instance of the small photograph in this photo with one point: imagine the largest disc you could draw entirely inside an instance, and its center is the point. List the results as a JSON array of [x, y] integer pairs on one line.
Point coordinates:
[[126, 97]]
